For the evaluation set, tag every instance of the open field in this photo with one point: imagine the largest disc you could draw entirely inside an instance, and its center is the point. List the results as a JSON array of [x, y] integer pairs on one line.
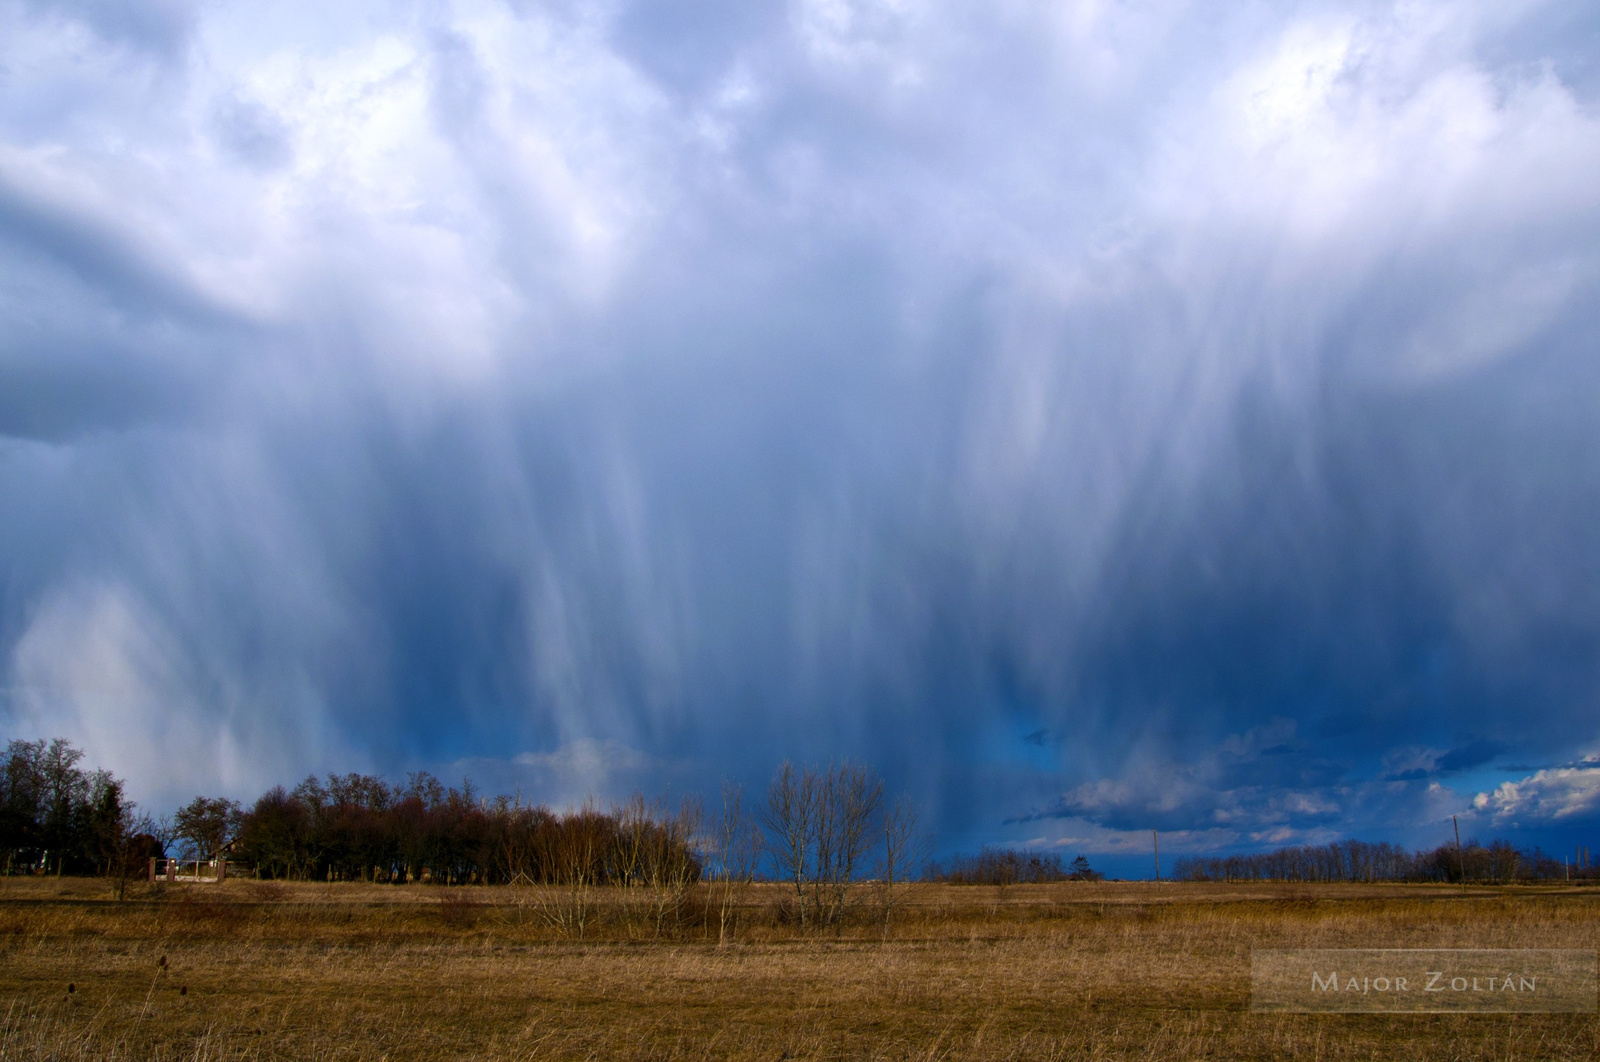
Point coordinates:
[[1111, 970]]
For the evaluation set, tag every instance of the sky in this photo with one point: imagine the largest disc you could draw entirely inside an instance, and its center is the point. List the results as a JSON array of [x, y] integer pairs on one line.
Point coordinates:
[[1097, 417]]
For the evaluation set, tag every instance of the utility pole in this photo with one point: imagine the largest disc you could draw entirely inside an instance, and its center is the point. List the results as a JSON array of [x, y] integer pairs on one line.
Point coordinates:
[[1461, 860], [1156, 837]]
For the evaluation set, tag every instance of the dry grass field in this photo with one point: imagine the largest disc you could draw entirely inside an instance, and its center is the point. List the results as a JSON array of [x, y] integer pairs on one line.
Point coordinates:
[[1069, 971]]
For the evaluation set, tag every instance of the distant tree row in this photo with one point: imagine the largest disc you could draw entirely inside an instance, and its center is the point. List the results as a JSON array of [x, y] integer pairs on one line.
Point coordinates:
[[1012, 866], [821, 830], [359, 827], [1355, 860]]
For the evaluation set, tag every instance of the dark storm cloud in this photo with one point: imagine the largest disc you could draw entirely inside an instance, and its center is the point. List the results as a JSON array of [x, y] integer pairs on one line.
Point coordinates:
[[1100, 417]]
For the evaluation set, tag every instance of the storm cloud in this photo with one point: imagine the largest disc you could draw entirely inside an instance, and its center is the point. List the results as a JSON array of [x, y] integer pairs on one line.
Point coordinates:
[[1100, 417]]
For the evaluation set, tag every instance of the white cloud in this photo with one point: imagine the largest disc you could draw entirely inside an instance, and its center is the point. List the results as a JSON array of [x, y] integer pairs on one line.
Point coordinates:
[[1548, 797]]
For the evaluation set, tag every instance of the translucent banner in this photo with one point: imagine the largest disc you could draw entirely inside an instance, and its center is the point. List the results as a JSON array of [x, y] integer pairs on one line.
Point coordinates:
[[1422, 981]]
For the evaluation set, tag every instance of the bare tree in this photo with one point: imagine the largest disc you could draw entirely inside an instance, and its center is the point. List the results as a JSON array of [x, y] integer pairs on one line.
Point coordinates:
[[789, 818], [208, 825], [824, 845], [820, 828], [635, 818], [575, 862], [636, 824], [904, 847], [113, 821], [854, 796], [671, 867], [735, 849], [164, 832]]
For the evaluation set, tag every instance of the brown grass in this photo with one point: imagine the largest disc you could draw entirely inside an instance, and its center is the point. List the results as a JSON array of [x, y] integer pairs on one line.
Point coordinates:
[[1108, 971]]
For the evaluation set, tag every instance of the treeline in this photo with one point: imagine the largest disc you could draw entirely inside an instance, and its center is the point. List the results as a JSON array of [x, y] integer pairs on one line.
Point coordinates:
[[361, 828], [1362, 861], [823, 831], [1011, 866], [62, 819]]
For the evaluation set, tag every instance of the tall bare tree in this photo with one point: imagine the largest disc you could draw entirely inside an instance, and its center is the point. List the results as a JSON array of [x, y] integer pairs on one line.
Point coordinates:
[[637, 824], [904, 847], [635, 818], [820, 827], [789, 818], [735, 850], [207, 824], [576, 861], [854, 797], [670, 864]]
